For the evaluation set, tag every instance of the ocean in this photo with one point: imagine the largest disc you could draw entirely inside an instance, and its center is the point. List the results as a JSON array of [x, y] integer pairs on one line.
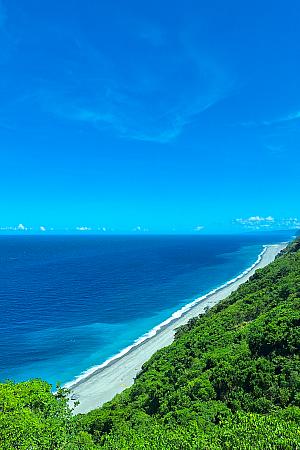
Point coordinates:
[[69, 303]]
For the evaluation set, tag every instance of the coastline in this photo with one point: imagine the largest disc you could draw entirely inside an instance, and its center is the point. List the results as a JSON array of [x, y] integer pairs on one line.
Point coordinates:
[[101, 383]]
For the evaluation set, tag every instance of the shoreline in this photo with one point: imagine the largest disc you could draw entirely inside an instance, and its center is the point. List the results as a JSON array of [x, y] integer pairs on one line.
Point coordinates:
[[100, 384], [158, 328]]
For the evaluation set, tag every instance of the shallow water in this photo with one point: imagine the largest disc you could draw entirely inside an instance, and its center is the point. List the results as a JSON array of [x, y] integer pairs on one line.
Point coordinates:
[[70, 302]]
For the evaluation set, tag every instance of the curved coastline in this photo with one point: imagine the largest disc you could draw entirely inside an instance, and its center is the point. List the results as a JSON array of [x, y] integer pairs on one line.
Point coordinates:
[[90, 385], [158, 328]]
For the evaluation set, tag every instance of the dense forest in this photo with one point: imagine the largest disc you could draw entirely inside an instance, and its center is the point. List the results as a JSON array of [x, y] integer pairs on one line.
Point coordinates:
[[230, 380]]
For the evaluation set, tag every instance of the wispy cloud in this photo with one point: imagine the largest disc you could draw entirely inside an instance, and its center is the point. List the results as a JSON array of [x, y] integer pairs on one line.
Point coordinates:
[[277, 136], [276, 149], [133, 117], [288, 118], [153, 100], [151, 92], [116, 120], [276, 121]]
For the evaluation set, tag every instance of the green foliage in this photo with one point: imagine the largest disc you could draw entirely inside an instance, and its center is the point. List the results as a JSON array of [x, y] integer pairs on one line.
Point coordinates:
[[229, 375], [31, 417], [231, 380], [240, 432]]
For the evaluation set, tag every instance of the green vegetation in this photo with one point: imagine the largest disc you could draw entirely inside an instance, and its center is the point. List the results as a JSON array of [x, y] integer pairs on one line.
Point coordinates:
[[231, 380], [31, 417]]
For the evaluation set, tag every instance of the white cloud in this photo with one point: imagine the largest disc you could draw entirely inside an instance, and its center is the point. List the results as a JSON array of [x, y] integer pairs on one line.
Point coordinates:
[[268, 222], [83, 228], [140, 229], [42, 228], [21, 227], [199, 228], [261, 219]]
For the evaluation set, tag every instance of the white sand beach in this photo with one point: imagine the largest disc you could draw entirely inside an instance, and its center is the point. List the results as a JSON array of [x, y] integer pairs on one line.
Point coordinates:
[[103, 383]]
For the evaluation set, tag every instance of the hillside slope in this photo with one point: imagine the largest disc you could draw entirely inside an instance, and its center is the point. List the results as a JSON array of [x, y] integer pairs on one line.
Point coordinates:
[[231, 380]]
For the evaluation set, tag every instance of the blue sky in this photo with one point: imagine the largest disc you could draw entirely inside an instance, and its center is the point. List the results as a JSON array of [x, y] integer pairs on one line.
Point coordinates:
[[162, 115]]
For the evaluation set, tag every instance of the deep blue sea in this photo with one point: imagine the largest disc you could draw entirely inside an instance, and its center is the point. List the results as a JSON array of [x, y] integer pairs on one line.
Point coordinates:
[[68, 303]]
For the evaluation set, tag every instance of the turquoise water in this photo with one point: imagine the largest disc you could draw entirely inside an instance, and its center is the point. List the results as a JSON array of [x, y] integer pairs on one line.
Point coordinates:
[[71, 302]]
